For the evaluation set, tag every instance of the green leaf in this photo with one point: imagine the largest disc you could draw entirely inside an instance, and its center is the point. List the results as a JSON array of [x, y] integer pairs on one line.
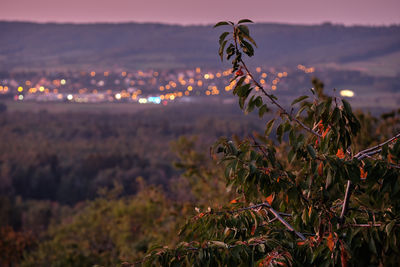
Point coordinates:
[[250, 40], [221, 23], [245, 21], [279, 133], [347, 107], [269, 127], [292, 138], [335, 115], [247, 48], [311, 151], [329, 179], [238, 85], [243, 91], [389, 227], [297, 100], [244, 29], [251, 104], [262, 110], [241, 102], [300, 111], [221, 50], [258, 101], [222, 37], [230, 51]]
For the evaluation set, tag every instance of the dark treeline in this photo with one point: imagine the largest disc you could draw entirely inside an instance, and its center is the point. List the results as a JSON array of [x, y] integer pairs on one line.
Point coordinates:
[[62, 159]]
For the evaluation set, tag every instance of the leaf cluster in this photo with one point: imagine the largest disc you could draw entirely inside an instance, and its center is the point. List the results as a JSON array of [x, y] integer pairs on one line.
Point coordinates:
[[306, 196]]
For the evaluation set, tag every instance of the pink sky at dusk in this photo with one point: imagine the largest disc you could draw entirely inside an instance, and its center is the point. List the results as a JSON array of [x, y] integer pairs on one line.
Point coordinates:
[[349, 12]]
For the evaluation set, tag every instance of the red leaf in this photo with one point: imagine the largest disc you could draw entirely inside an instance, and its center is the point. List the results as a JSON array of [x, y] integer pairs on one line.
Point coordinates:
[[326, 132], [363, 174], [269, 199], [330, 242], [321, 169], [253, 229], [340, 153]]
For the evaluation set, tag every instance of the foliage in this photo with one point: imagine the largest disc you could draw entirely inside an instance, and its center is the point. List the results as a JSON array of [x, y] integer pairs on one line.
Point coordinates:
[[13, 245], [202, 179], [109, 230], [311, 196], [67, 157], [51, 160]]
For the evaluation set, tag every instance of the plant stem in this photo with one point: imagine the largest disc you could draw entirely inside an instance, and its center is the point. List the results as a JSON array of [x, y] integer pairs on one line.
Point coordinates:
[[283, 111]]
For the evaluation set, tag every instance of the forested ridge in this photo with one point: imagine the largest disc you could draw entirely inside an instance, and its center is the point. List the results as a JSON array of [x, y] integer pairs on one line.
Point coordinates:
[[25, 45]]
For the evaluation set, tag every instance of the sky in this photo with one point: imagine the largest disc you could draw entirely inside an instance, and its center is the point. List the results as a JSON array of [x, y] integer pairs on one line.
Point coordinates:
[[189, 12]]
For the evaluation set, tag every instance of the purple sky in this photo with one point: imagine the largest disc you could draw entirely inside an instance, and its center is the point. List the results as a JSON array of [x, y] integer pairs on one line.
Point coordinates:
[[349, 12]]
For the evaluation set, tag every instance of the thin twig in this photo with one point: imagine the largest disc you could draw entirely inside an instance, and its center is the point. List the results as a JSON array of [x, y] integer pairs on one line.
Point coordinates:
[[288, 226], [278, 215], [364, 225], [363, 155], [346, 201], [283, 111], [377, 146]]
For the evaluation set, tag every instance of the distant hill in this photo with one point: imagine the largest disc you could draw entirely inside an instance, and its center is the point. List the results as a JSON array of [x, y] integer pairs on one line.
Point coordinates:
[[133, 45]]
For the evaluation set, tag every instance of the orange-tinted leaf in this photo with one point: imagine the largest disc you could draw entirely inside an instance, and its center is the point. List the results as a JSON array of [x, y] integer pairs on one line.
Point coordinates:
[[340, 153], [326, 132], [233, 201], [363, 174], [269, 199], [320, 125], [201, 214], [300, 243], [253, 229], [330, 242], [321, 168], [309, 211]]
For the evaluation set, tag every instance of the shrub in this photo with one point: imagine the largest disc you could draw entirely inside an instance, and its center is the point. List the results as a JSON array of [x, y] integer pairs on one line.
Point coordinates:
[[307, 194]]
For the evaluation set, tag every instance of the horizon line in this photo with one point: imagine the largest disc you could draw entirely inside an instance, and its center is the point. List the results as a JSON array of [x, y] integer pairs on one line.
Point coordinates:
[[200, 24]]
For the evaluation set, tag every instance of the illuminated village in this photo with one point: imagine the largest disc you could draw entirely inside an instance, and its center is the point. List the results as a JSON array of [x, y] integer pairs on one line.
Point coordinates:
[[157, 87]]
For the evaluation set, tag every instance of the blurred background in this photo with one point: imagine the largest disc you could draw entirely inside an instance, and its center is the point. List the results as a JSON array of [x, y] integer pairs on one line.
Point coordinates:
[[107, 107]]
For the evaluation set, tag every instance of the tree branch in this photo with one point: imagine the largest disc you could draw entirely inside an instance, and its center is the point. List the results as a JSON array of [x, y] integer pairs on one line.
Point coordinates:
[[375, 148], [288, 226], [347, 196], [360, 155], [283, 111], [277, 215]]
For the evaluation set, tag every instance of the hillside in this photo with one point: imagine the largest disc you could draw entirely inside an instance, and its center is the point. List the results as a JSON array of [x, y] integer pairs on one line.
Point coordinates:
[[26, 45]]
